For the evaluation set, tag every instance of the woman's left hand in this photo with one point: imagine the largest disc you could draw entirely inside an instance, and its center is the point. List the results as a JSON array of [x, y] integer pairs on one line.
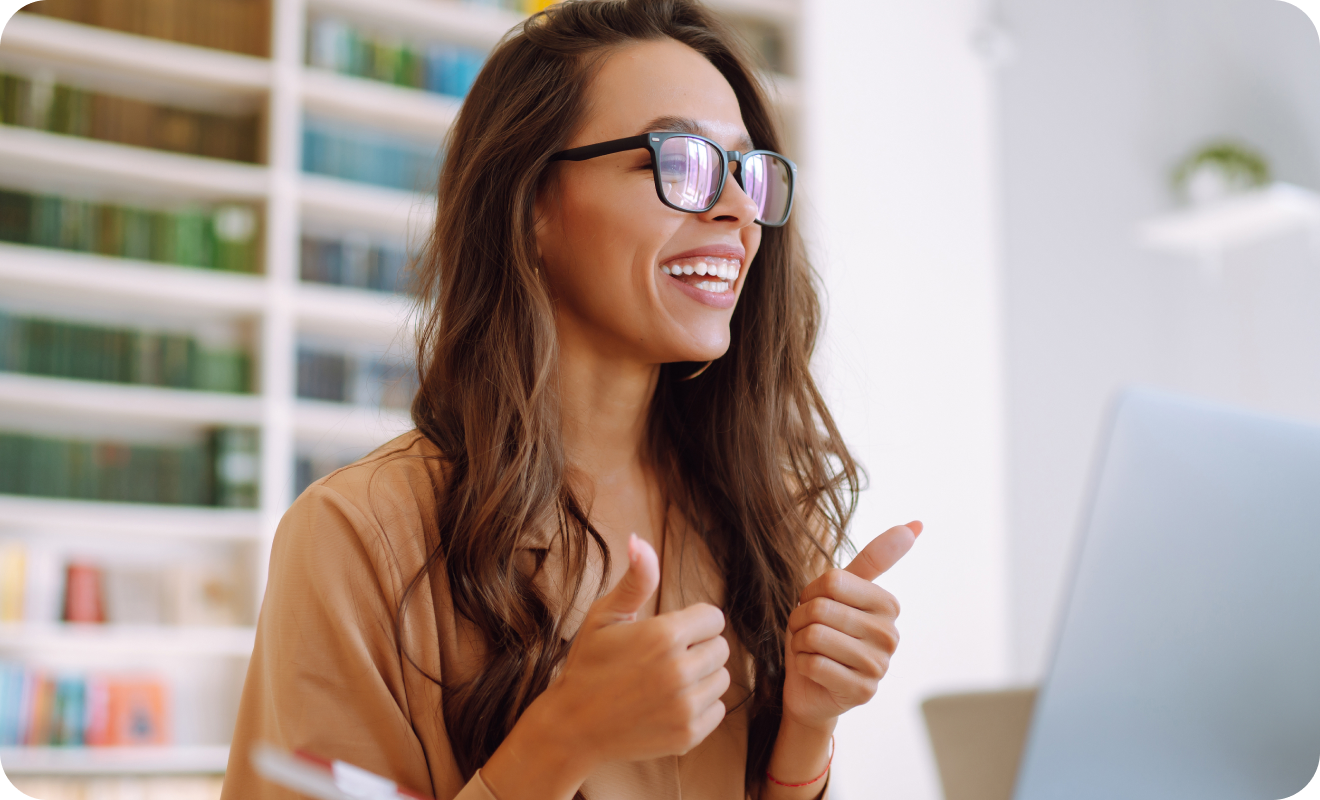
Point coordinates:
[[842, 634]]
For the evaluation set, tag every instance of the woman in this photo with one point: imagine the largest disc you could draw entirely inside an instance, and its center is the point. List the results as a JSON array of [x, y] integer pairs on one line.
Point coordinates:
[[599, 566]]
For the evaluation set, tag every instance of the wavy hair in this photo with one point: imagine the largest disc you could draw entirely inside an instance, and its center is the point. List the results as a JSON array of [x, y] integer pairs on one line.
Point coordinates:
[[748, 450]]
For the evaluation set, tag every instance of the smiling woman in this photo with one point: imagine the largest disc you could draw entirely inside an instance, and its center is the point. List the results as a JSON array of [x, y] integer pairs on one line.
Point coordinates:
[[600, 565]]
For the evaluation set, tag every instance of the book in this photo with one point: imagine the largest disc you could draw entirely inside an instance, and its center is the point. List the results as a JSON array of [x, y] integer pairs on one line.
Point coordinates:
[[13, 580], [367, 379], [442, 67], [221, 236], [221, 470], [241, 26], [84, 597], [137, 712], [38, 102], [356, 261], [40, 708], [63, 349], [357, 153]]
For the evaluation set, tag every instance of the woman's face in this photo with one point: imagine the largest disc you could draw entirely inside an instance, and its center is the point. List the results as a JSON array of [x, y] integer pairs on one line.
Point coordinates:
[[604, 235]]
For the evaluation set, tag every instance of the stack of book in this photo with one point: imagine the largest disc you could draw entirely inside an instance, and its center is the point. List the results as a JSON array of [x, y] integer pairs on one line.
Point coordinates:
[[120, 355], [222, 471], [369, 156], [373, 380], [43, 104], [242, 26], [40, 708], [441, 67], [220, 237], [358, 262]]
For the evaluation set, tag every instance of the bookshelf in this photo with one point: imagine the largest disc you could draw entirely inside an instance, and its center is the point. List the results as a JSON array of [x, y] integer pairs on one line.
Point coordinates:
[[274, 311]]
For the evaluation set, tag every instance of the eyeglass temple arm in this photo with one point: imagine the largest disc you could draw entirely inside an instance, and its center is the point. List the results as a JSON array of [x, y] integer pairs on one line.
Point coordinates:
[[602, 149]]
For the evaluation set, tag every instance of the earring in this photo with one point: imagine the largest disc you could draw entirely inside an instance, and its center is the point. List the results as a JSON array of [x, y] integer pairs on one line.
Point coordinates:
[[704, 367]]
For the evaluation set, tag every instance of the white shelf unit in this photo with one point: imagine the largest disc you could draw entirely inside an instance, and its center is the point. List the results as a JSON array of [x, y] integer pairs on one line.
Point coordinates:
[[275, 303]]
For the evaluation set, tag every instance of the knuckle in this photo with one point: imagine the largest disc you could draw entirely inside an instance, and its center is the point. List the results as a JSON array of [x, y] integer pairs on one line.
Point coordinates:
[[820, 609], [815, 636], [836, 580]]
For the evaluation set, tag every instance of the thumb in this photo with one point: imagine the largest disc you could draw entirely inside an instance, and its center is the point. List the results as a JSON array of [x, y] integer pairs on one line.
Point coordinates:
[[635, 587], [884, 551]]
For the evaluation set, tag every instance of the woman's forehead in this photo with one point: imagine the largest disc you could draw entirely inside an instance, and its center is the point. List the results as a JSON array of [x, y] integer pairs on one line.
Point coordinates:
[[655, 81]]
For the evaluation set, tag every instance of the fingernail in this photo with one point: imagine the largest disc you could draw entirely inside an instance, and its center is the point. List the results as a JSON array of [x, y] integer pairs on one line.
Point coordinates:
[[632, 548], [916, 527]]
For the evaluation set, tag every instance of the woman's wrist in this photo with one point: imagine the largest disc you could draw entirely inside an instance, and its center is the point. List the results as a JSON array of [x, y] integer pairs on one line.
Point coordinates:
[[540, 758], [802, 754]]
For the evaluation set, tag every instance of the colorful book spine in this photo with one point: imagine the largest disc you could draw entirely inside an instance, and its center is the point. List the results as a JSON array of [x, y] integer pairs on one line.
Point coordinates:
[[94, 353], [43, 104], [223, 237], [240, 26], [357, 154], [220, 471], [39, 708], [356, 262], [441, 67]]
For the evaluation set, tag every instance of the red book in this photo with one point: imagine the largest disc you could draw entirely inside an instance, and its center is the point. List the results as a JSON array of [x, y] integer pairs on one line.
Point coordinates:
[[41, 710], [83, 599]]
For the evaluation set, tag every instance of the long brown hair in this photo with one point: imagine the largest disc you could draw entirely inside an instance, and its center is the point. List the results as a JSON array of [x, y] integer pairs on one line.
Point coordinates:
[[749, 446]]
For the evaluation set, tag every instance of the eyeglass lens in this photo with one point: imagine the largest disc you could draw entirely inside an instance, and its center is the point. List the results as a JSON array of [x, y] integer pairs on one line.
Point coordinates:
[[690, 178]]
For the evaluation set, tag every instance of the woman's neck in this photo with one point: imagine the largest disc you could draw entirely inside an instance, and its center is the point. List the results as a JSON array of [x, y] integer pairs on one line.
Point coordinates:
[[605, 402]]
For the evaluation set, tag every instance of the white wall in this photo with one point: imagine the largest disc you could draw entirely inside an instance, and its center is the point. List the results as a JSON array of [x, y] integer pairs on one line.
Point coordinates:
[[1103, 98], [899, 173]]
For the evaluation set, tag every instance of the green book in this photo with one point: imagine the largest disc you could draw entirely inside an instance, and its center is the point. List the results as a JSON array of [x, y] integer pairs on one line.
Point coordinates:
[[15, 217]]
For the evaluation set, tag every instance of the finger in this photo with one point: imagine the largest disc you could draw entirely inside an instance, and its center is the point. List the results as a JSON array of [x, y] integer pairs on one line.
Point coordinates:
[[883, 552], [845, 587], [822, 610], [855, 654], [707, 721], [633, 589], [846, 685], [694, 624], [704, 658], [711, 688]]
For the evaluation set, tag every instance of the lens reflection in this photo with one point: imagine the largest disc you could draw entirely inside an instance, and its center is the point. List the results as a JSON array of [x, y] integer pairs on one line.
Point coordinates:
[[767, 180], [689, 172]]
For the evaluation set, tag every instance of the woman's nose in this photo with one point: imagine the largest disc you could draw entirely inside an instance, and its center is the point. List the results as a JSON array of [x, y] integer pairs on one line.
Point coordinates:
[[734, 205]]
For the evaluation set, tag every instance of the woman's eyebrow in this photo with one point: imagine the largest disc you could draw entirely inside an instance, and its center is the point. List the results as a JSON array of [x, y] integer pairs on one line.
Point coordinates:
[[686, 125]]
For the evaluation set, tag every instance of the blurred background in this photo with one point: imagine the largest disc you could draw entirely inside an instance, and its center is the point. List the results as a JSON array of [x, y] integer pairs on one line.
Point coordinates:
[[207, 212]]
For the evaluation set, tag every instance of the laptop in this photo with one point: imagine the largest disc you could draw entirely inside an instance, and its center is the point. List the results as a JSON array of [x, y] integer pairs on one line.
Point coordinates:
[[1188, 661]]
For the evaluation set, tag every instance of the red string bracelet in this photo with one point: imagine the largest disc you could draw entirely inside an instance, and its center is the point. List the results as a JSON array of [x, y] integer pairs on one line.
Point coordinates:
[[775, 780]]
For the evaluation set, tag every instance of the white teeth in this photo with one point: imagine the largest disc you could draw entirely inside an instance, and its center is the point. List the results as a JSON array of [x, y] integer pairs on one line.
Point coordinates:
[[665, 270], [717, 287], [723, 271], [688, 269], [701, 268]]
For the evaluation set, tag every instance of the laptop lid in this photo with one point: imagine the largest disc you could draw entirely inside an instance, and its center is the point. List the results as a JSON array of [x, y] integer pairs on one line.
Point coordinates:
[[1188, 662]]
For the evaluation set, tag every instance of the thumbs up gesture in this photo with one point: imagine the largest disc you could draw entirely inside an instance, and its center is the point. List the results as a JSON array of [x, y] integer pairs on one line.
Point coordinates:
[[637, 689], [842, 634]]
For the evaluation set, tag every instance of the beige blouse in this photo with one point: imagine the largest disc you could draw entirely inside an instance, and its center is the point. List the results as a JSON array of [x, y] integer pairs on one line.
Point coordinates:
[[327, 674]]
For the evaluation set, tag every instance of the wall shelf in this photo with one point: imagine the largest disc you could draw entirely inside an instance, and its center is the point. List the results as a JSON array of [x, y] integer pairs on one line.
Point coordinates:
[[42, 156], [335, 201], [322, 425], [1207, 231], [66, 275], [131, 519], [401, 108], [177, 760], [341, 312], [105, 400], [98, 641]]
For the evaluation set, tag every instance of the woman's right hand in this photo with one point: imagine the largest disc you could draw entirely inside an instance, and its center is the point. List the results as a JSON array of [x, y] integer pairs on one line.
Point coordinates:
[[629, 690]]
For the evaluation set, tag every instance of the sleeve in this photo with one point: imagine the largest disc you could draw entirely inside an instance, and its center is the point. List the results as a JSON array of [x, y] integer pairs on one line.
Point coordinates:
[[326, 675]]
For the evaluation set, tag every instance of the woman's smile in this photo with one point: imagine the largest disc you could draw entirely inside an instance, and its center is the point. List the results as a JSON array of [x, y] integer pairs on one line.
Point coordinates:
[[708, 274]]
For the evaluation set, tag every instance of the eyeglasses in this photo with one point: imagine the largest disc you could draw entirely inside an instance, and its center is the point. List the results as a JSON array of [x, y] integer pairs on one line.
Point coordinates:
[[690, 171]]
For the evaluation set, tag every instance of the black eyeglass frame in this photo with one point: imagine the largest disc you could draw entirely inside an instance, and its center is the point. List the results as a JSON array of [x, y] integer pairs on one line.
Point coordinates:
[[655, 140]]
